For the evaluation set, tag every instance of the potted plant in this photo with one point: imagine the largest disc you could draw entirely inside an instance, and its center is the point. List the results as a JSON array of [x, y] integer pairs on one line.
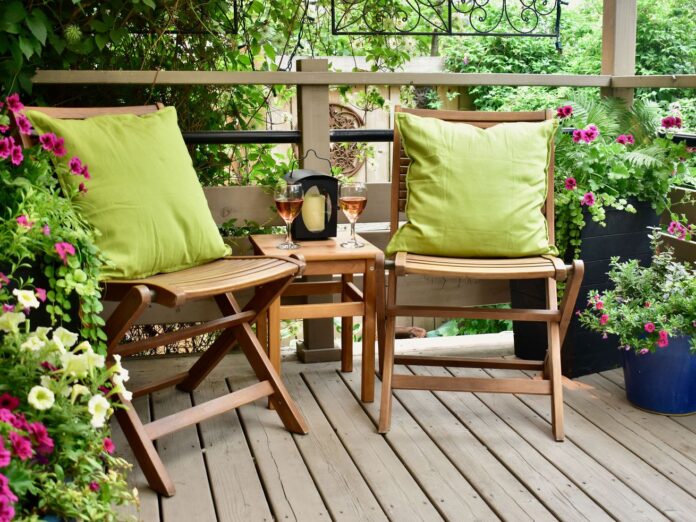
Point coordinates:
[[614, 169], [56, 393], [652, 311]]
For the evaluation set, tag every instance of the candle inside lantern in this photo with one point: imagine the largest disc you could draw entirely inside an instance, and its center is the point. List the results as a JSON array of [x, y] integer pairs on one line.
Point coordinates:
[[313, 210]]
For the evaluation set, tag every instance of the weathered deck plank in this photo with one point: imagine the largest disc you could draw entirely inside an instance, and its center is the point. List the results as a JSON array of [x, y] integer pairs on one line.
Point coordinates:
[[559, 494], [653, 486], [440, 479], [396, 490]]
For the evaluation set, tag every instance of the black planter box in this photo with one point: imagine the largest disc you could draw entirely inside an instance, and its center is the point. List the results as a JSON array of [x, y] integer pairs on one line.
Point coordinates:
[[584, 352]]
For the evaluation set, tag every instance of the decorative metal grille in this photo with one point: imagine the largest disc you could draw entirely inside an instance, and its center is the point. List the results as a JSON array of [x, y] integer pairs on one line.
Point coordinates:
[[345, 155], [541, 18]]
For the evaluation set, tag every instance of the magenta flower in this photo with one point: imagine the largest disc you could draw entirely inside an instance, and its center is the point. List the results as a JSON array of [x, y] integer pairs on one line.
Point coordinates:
[[85, 172], [23, 221], [8, 308], [6, 146], [647, 304], [48, 366], [40, 294], [591, 133], [64, 250], [4, 279], [625, 139], [109, 445], [75, 165], [564, 112], [59, 147], [19, 422], [24, 124], [13, 102], [599, 305], [5, 455], [571, 184], [82, 188], [604, 319], [44, 442], [46, 230], [677, 229], [663, 339], [579, 135], [48, 141], [649, 327], [644, 351], [6, 416], [16, 155], [630, 138], [4, 129], [588, 199], [94, 486], [21, 446], [8, 402], [671, 122]]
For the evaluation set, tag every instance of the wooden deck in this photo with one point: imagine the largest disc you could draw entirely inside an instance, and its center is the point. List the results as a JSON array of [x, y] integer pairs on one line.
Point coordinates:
[[452, 456]]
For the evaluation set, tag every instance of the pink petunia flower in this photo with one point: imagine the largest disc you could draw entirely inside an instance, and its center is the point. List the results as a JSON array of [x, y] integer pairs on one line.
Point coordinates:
[[48, 141], [59, 147], [75, 165], [48, 366], [671, 122], [591, 133], [677, 229], [46, 230], [625, 139], [644, 351], [631, 139], [588, 199], [94, 486], [21, 446], [24, 124], [109, 445], [8, 401], [4, 129], [570, 184], [16, 156], [6, 416], [5, 455], [578, 135], [649, 327], [6, 146], [42, 439], [40, 294], [8, 308], [604, 319], [14, 104], [663, 339], [599, 305], [23, 221], [64, 249], [20, 422]]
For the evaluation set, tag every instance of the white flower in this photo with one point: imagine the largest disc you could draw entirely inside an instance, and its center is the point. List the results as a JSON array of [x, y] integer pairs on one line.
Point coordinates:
[[41, 398], [94, 360], [26, 298], [116, 367], [42, 333], [10, 321], [117, 381], [77, 390], [46, 381], [55, 345], [98, 406], [76, 365], [66, 338], [32, 344]]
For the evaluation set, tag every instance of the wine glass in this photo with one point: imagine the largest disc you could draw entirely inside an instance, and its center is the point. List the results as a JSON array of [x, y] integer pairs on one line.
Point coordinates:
[[288, 200], [353, 200]]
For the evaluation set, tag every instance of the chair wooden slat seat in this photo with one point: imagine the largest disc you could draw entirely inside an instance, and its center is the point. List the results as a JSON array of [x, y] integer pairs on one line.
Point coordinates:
[[220, 276], [267, 276], [521, 268], [548, 268]]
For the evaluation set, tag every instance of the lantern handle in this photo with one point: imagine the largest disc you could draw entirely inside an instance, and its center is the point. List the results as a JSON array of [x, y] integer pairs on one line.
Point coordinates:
[[304, 157]]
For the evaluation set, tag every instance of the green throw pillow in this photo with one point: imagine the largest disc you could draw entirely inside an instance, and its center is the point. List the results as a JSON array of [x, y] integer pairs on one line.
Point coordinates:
[[474, 192], [143, 197]]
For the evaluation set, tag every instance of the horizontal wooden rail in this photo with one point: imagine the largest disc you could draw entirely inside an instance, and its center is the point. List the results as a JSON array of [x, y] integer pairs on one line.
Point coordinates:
[[315, 78], [471, 384], [671, 81], [469, 362]]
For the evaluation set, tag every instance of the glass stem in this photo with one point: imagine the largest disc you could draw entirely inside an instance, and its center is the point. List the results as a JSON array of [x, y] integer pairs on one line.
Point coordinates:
[[288, 236], [352, 232]]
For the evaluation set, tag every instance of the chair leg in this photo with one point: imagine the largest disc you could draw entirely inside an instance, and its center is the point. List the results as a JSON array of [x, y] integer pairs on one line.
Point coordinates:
[[387, 363], [144, 450], [556, 382]]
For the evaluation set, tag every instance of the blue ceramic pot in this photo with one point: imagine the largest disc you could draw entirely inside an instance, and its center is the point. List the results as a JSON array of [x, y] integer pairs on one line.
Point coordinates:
[[664, 381]]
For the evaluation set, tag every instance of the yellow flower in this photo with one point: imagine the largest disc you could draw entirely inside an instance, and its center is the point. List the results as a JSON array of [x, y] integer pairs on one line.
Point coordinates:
[[26, 298], [41, 398], [10, 321], [76, 365], [77, 390]]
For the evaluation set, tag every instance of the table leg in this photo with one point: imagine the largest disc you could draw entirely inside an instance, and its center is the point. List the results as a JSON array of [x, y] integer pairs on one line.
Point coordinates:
[[346, 330], [367, 392]]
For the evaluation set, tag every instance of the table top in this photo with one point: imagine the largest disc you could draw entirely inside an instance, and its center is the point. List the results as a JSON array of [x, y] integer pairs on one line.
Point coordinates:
[[317, 250]]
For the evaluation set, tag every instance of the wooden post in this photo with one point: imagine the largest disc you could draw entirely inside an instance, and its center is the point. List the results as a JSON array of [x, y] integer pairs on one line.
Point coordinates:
[[619, 43], [313, 118]]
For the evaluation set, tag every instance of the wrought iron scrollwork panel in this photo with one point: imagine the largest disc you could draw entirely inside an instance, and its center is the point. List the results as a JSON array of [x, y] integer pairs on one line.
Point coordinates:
[[447, 17]]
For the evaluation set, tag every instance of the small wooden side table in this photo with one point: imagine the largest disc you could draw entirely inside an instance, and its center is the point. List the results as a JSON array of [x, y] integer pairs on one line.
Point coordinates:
[[327, 258]]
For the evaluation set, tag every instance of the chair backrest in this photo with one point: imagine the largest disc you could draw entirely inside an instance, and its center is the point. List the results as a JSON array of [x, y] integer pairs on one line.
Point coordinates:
[[80, 113], [400, 161]]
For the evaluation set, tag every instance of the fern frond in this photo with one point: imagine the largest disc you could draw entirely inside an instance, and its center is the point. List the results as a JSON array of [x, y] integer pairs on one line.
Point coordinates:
[[645, 158]]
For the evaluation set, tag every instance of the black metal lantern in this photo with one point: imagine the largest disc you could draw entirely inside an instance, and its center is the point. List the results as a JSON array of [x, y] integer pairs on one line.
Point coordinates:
[[318, 218]]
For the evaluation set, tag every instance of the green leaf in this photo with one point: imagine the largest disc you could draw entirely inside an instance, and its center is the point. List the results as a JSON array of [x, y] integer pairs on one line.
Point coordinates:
[[14, 13], [37, 24], [26, 47], [101, 40]]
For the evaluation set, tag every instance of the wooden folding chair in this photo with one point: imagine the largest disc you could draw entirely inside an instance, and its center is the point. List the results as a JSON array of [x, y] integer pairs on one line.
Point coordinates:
[[219, 280], [549, 268]]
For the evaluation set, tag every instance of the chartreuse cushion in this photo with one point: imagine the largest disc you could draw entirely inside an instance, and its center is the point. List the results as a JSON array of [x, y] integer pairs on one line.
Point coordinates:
[[143, 198], [475, 192]]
